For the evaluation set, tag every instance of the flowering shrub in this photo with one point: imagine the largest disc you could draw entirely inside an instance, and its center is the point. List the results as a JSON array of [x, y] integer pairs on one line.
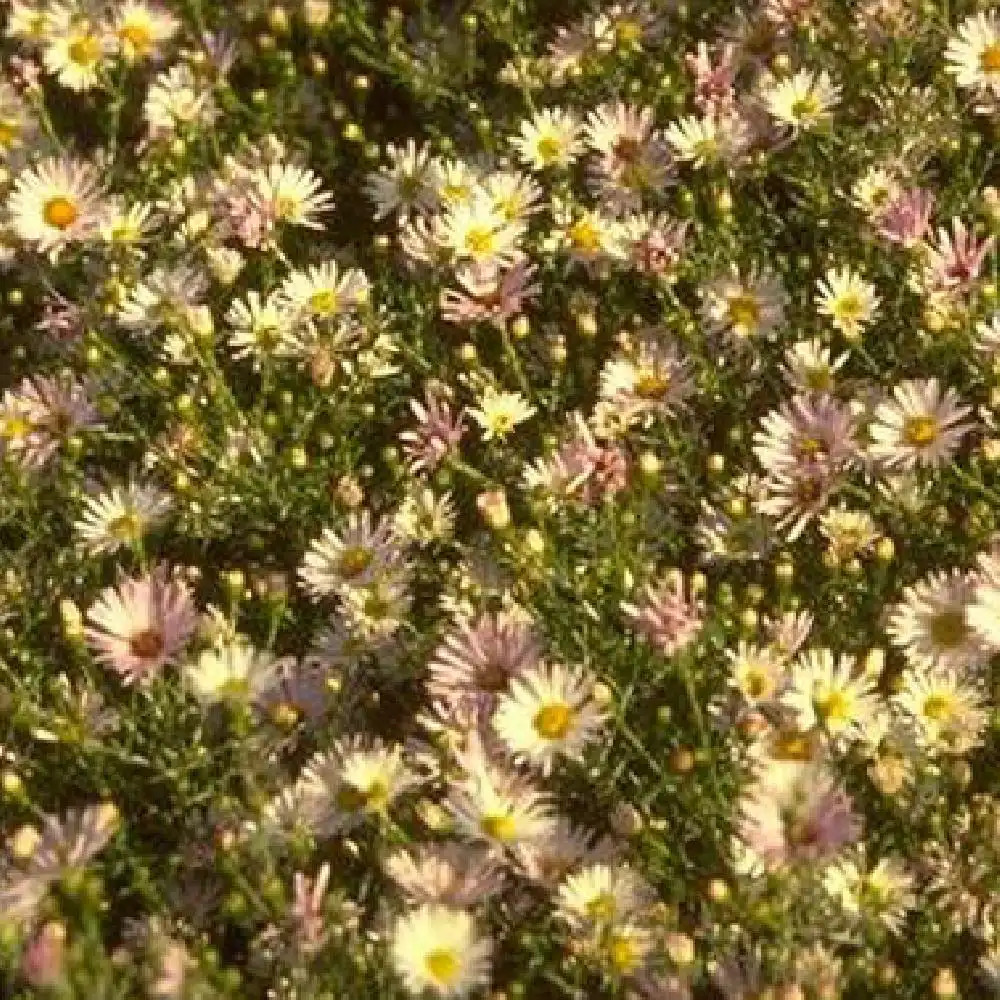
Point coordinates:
[[499, 498]]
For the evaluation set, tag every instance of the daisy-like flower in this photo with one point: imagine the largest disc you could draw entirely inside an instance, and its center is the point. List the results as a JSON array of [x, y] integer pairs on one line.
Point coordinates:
[[807, 431], [142, 29], [498, 807], [322, 293], [983, 612], [66, 844], [352, 557], [359, 778], [452, 874], [482, 656], [565, 848], [455, 182], [601, 895], [17, 124], [436, 949], [803, 100], [931, 624], [516, 196], [907, 217], [810, 367], [230, 672], [166, 298], [849, 534], [259, 327], [874, 190], [743, 308], [177, 99], [848, 300], [500, 412], [882, 892], [945, 713], [56, 203], [406, 184], [973, 54], [709, 139], [437, 433], [551, 138], [139, 626], [39, 415], [758, 673], [667, 616], [77, 53], [31, 21], [549, 712], [830, 693], [804, 815], [920, 426], [475, 230], [121, 517], [589, 235], [652, 378], [489, 293], [291, 194]]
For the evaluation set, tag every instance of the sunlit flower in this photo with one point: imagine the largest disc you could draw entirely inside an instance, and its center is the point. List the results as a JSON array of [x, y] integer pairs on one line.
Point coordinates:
[[121, 517], [803, 100], [882, 892], [552, 138], [945, 713], [973, 53], [849, 301], [830, 693], [743, 307], [499, 413]]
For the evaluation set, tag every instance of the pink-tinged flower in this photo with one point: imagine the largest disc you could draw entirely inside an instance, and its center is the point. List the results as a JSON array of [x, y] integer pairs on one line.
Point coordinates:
[[810, 431], [481, 657], [954, 262], [713, 81], [453, 874], [795, 495], [141, 625], [37, 416], [62, 320], [489, 293], [307, 910], [43, 961], [655, 244], [667, 616], [920, 426], [799, 813], [906, 219], [564, 850], [437, 434], [583, 470]]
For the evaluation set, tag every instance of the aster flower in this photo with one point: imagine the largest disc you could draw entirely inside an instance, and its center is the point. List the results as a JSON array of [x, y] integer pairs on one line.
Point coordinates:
[[476, 230], [549, 711], [121, 517], [307, 909], [953, 262], [907, 217], [406, 184], [450, 874], [499, 412], [794, 496], [709, 139], [830, 693], [291, 194], [515, 195], [920, 426], [946, 713], [849, 533], [39, 415], [351, 557], [139, 626], [142, 29], [489, 293], [714, 79], [882, 892], [177, 99], [551, 138], [231, 672], [805, 816], [56, 203], [758, 673], [564, 849], [437, 433], [803, 100], [482, 655], [814, 430], [654, 243], [602, 895], [360, 778], [743, 308], [810, 367], [77, 53], [436, 949], [848, 300], [931, 624], [666, 616], [259, 327], [973, 54], [653, 377]]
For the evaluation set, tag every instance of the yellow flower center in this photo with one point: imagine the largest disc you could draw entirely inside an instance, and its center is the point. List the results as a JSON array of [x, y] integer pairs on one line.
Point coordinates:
[[623, 953], [849, 307], [583, 235], [549, 148], [443, 966], [937, 707], [137, 36], [920, 431], [833, 706], [793, 746], [354, 560], [602, 907], [350, 798], [15, 428], [744, 312], [10, 130], [479, 240], [499, 826], [287, 207], [756, 683], [806, 107], [628, 31], [553, 721], [60, 212], [85, 50], [127, 527], [324, 302], [989, 58], [948, 629], [651, 384]]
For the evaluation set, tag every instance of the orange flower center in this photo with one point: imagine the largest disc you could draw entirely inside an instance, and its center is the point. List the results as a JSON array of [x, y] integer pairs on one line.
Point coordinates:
[[60, 212]]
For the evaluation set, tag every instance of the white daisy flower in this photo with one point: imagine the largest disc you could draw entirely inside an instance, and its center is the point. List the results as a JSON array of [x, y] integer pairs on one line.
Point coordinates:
[[847, 299], [551, 138], [121, 517], [803, 100]]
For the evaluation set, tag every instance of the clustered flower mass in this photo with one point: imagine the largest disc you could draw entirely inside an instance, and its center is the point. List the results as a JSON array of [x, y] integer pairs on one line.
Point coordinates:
[[499, 498]]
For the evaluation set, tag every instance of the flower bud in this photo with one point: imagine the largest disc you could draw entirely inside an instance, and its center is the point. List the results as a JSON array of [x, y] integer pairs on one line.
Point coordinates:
[[493, 507]]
